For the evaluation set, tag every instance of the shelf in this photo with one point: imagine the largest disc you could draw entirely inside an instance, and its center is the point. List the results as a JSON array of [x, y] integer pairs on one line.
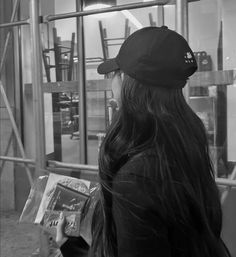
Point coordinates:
[[199, 79], [210, 78], [72, 86]]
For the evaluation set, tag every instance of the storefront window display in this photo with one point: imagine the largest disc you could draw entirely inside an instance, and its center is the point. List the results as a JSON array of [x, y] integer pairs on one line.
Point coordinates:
[[211, 91]]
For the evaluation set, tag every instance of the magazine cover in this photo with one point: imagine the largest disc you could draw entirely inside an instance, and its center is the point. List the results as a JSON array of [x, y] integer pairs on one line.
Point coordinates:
[[72, 227], [66, 199], [54, 194], [72, 184], [71, 203]]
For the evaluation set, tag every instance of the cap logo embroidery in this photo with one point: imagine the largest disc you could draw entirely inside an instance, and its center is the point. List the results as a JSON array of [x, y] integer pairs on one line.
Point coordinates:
[[188, 58]]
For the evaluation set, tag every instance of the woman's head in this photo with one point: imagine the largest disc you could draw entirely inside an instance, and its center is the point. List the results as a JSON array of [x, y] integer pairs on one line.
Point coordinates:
[[156, 62], [154, 56]]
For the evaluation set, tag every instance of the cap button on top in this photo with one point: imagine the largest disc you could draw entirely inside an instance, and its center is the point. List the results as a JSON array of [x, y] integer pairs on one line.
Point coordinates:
[[164, 27]]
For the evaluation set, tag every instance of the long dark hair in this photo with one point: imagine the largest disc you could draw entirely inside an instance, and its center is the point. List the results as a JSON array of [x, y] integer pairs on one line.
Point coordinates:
[[160, 119]]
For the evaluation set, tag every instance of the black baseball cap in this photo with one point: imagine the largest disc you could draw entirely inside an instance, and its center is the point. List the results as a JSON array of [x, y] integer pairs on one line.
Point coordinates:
[[154, 56]]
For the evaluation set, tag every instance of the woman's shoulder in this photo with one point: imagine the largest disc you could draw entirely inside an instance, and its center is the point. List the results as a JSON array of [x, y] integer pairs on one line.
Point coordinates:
[[144, 165], [137, 181]]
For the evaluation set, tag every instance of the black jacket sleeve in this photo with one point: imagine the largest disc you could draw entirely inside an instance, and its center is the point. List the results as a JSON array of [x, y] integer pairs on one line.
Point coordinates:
[[75, 247], [137, 216]]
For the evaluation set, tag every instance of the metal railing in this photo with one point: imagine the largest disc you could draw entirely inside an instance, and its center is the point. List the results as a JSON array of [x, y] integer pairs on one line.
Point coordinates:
[[104, 10]]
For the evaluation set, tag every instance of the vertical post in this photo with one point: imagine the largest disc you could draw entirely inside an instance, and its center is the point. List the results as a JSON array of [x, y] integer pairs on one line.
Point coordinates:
[[37, 88], [56, 99], [160, 15], [104, 47], [18, 78], [38, 105], [181, 16], [221, 113], [82, 84]]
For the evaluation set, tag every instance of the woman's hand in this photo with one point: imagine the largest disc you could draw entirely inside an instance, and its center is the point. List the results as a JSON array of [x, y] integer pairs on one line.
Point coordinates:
[[61, 237]]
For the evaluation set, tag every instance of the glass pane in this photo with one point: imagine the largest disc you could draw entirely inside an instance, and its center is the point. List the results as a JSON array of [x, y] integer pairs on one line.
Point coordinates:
[[212, 89], [104, 34], [61, 99]]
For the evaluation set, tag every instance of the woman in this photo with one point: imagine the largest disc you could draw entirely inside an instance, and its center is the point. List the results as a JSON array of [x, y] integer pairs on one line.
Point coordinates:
[[158, 196]]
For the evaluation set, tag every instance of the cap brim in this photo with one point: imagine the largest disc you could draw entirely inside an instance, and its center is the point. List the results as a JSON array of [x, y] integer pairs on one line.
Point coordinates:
[[108, 66]]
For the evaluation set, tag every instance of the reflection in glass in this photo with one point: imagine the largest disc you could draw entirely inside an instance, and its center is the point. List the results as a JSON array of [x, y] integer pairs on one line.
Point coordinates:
[[214, 44]]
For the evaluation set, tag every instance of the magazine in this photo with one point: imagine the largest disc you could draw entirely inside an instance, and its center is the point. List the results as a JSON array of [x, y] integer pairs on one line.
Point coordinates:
[[53, 194], [72, 227]]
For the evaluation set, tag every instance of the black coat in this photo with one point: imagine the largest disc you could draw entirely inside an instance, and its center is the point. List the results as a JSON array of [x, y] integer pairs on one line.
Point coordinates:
[[141, 221]]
